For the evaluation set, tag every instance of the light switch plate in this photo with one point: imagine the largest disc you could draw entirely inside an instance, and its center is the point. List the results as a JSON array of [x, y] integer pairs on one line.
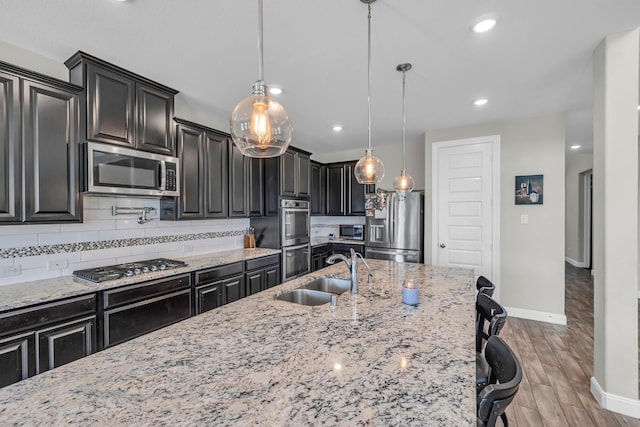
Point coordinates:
[[524, 219]]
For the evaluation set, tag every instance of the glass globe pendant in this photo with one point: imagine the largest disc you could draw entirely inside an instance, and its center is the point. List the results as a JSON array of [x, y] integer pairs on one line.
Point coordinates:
[[260, 125], [403, 183], [369, 169]]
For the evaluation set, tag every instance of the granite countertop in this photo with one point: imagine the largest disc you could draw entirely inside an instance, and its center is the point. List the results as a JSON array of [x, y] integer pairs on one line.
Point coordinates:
[[24, 294], [262, 361], [316, 241]]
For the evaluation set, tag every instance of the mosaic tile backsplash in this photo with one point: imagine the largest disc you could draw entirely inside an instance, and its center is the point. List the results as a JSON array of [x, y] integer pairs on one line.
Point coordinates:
[[34, 252]]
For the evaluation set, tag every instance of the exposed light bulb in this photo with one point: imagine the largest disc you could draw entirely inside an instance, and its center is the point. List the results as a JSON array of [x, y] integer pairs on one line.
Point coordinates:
[[369, 169], [260, 125]]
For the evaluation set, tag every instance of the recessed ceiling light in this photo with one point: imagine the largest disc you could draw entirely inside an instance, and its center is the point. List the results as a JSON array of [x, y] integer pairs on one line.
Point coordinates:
[[480, 102], [337, 128], [275, 90], [575, 147], [484, 24]]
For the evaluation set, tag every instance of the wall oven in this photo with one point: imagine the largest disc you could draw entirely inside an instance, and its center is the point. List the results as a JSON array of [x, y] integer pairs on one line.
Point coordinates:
[[117, 170], [295, 261], [294, 217]]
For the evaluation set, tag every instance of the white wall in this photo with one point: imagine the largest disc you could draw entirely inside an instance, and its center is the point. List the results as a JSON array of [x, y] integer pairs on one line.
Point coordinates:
[[576, 164], [532, 255], [32, 61], [391, 156]]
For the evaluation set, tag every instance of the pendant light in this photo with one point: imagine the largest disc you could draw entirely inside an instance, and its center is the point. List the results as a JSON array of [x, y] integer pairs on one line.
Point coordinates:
[[260, 125], [403, 184], [369, 169]]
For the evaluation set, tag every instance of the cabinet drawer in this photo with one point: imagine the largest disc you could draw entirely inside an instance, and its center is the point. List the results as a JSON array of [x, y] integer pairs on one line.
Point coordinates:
[[255, 263], [320, 249], [207, 276], [32, 317], [138, 292], [122, 324]]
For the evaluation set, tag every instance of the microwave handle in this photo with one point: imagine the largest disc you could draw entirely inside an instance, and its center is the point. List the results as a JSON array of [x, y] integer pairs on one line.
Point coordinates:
[[162, 169]]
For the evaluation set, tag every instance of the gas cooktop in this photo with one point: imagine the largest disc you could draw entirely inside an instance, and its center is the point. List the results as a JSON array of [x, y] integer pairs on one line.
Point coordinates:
[[119, 271]]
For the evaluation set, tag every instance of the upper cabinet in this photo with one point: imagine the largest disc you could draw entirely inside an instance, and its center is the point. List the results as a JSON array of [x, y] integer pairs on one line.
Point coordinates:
[[318, 191], [287, 176], [203, 154], [122, 107], [344, 194], [246, 184], [39, 152]]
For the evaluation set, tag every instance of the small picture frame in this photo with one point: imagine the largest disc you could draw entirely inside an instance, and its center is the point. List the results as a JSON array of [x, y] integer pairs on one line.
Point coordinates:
[[529, 190]]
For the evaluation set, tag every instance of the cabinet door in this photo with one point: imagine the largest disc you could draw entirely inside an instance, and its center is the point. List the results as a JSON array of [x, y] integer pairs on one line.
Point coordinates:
[[65, 343], [9, 148], [238, 203], [50, 153], [315, 262], [272, 276], [254, 281], [233, 289], [304, 165], [208, 297], [17, 359], [335, 190], [132, 320], [355, 192], [155, 120], [216, 167], [190, 151], [255, 187], [317, 190], [288, 172], [110, 107]]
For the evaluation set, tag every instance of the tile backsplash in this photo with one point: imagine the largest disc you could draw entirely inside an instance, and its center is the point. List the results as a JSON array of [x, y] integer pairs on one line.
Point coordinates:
[[33, 252]]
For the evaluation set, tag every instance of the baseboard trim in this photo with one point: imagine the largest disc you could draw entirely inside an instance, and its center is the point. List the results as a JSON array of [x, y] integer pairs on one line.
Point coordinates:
[[579, 264], [615, 403], [540, 316]]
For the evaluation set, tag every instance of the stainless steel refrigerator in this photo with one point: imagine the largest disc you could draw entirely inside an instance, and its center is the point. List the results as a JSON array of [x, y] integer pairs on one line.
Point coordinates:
[[395, 232]]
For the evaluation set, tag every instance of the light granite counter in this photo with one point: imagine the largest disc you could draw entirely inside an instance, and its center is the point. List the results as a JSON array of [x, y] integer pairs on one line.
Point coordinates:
[[264, 362], [41, 291]]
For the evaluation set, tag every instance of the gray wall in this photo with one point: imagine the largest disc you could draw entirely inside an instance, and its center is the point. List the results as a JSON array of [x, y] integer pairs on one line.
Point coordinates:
[[576, 165], [532, 255]]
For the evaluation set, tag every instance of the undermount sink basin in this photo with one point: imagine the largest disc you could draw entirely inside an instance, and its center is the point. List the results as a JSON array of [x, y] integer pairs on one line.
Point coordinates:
[[305, 297], [329, 284]]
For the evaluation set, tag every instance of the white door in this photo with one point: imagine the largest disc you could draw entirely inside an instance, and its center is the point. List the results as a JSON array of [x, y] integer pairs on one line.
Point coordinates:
[[463, 226]]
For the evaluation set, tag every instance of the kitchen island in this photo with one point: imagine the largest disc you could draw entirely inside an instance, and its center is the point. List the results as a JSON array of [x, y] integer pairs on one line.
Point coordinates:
[[260, 361]]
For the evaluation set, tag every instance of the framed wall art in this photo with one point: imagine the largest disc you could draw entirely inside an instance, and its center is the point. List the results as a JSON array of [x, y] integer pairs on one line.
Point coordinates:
[[529, 190]]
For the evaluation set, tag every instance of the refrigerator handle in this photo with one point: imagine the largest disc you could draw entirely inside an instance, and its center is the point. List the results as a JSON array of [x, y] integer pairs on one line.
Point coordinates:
[[392, 220]]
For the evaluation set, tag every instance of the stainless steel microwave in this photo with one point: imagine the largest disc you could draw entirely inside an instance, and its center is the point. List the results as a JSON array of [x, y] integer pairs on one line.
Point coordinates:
[[117, 170]]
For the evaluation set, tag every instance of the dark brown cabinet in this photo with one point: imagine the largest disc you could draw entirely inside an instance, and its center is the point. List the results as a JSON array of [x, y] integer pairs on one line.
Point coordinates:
[[344, 194], [39, 152], [246, 184], [318, 190], [217, 286], [36, 339], [262, 273], [203, 154], [287, 176], [122, 107], [137, 309], [9, 148], [319, 255]]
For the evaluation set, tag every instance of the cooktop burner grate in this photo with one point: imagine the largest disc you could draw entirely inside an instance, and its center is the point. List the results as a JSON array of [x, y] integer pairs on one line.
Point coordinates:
[[119, 271]]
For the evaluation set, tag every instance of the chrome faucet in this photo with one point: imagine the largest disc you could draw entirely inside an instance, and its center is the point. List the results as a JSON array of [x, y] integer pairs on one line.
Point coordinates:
[[352, 263]]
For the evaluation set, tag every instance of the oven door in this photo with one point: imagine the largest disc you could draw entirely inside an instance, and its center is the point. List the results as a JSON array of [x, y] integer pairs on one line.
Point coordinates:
[[295, 226], [295, 261]]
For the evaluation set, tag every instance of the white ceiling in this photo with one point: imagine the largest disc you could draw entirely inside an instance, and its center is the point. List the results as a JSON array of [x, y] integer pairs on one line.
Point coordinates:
[[536, 61]]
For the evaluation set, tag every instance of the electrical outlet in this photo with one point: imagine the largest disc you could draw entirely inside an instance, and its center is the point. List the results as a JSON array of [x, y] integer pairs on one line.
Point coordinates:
[[10, 270], [57, 264]]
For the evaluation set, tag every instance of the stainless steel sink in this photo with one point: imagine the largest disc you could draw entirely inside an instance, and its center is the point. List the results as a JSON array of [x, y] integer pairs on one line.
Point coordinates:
[[305, 297], [329, 284]]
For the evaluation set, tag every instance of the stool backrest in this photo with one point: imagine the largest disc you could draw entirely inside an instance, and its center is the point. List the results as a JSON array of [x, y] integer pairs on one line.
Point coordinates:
[[491, 317]]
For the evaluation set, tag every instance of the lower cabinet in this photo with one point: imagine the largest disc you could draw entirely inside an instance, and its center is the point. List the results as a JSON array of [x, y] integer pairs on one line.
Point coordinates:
[[36, 339], [345, 249], [319, 255], [217, 286], [135, 310], [262, 273]]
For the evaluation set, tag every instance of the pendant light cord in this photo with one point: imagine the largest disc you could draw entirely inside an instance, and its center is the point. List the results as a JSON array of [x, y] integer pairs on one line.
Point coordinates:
[[404, 166], [368, 76], [260, 43]]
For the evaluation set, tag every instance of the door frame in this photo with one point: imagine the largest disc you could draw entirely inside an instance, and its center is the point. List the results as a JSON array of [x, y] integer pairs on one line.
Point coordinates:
[[494, 140]]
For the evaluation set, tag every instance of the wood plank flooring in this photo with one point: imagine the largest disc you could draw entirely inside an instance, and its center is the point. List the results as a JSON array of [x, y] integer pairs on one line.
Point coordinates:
[[558, 365]]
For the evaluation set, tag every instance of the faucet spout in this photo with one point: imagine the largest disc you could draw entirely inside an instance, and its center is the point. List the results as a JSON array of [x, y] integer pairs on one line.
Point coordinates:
[[352, 264]]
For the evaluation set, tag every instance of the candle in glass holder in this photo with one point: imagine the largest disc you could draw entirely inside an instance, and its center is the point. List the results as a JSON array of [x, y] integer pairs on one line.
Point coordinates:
[[409, 293]]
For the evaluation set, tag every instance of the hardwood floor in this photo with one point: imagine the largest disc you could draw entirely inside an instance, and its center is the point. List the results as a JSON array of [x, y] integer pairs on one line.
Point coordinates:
[[558, 365]]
